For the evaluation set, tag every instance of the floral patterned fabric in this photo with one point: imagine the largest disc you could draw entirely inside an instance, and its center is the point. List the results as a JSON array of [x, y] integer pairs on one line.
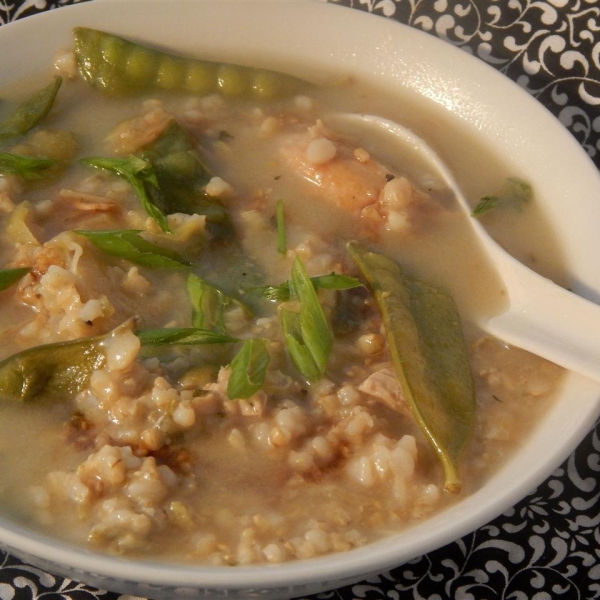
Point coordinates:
[[548, 545]]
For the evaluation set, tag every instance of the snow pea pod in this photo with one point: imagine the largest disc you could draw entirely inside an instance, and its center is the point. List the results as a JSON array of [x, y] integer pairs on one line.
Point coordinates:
[[120, 67], [56, 371], [30, 112], [429, 353]]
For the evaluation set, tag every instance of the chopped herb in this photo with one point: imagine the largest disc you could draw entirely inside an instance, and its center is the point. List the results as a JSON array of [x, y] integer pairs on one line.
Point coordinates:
[[130, 245], [9, 277], [27, 167], [248, 369], [139, 174], [486, 203], [281, 235], [517, 192]]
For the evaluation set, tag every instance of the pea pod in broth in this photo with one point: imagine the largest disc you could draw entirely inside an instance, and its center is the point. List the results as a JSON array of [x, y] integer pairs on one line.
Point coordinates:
[[30, 112], [60, 370], [54, 371], [120, 67], [429, 353]]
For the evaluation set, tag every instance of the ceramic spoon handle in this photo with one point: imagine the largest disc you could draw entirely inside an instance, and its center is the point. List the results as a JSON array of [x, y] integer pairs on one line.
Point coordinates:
[[548, 320]]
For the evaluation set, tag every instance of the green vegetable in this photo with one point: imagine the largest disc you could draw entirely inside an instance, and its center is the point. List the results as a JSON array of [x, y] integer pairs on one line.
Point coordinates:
[[181, 178], [29, 113], [333, 281], [61, 370], [27, 167], [281, 236], [130, 245], [248, 369], [184, 336], [429, 353], [117, 67], [139, 174], [52, 371], [516, 194], [307, 335], [9, 277], [208, 304]]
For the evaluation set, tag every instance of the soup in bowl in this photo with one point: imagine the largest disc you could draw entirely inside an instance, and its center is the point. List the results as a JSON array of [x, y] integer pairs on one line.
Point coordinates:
[[238, 341]]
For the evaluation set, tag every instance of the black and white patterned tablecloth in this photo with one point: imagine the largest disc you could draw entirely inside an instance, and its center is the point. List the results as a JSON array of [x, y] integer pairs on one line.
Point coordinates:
[[548, 546]]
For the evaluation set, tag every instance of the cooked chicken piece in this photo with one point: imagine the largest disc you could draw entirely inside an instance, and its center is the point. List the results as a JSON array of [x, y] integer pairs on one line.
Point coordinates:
[[383, 385]]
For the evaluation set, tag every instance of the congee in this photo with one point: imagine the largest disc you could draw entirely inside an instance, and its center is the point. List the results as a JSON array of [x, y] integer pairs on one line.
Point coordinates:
[[231, 333]]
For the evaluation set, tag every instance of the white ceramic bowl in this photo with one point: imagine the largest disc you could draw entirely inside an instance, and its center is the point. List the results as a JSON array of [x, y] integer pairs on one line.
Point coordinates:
[[311, 37]]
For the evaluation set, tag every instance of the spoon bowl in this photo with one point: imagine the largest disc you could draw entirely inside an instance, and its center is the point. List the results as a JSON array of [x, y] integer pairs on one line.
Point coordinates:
[[542, 317]]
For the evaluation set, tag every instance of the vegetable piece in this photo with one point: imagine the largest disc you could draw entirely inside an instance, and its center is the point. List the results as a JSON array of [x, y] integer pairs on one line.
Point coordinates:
[[307, 335], [248, 369], [281, 235], [139, 174], [184, 336], [429, 353], [61, 370], [333, 281], [209, 304], [118, 67], [181, 178], [54, 371], [9, 277], [516, 194], [27, 167], [130, 245], [29, 113]]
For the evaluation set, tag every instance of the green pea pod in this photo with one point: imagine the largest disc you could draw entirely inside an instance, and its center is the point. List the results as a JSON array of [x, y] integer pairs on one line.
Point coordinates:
[[181, 179], [52, 371], [59, 371], [429, 353], [29, 113], [119, 67]]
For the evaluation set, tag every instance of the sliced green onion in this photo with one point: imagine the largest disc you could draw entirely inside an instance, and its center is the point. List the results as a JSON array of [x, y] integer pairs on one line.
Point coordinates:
[[333, 281], [130, 245], [9, 277], [307, 335], [139, 174], [185, 336], [248, 369]]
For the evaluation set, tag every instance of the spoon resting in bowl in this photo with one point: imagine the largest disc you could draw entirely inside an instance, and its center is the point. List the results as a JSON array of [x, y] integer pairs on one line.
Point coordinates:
[[542, 317]]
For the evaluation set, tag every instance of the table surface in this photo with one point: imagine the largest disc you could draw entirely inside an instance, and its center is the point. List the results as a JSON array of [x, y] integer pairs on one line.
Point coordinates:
[[548, 545]]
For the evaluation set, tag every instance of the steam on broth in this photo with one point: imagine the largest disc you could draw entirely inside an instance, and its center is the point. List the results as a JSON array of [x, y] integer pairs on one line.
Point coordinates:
[[174, 385]]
